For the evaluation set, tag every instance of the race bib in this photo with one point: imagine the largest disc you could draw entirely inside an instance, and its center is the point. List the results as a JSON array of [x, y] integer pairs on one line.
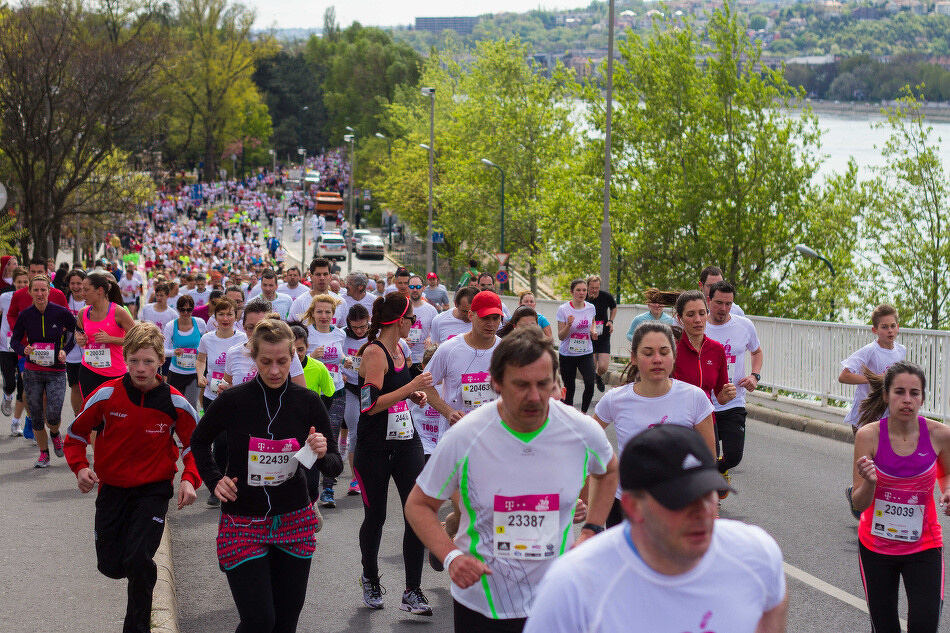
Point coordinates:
[[188, 358], [730, 363], [43, 354], [579, 343], [415, 333], [898, 515], [97, 355], [430, 423], [217, 379], [354, 358], [270, 462], [399, 422], [334, 371], [598, 327], [527, 526], [476, 390]]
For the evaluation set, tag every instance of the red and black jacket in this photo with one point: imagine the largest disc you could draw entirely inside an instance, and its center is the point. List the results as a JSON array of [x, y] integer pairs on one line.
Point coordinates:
[[705, 368]]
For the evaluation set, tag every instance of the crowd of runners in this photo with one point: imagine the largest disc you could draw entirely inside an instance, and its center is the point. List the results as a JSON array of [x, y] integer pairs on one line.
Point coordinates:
[[201, 348]]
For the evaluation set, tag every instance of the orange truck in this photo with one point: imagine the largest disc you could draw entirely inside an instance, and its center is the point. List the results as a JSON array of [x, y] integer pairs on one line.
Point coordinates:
[[329, 203]]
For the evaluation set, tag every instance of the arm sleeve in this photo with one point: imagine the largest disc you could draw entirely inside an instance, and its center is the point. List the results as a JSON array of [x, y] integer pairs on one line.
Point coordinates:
[[169, 332], [599, 445], [722, 377], [69, 333], [184, 429], [856, 361], [79, 431], [325, 380], [702, 407], [603, 410], [440, 477], [213, 422], [202, 325], [753, 338], [16, 337]]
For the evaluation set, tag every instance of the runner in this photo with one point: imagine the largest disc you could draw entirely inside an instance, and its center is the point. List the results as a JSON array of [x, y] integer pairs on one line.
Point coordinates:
[[182, 337], [355, 293], [319, 285], [897, 461], [709, 277], [576, 329], [526, 298], [292, 286], [198, 289], [651, 398], [654, 312], [663, 569], [239, 367], [9, 362], [388, 446], [456, 321], [419, 334], [737, 335], [235, 294], [135, 415], [266, 531], [8, 264], [401, 282], [279, 302], [523, 316], [435, 293], [486, 281], [131, 286], [605, 311], [77, 301], [100, 331], [357, 323], [520, 464], [44, 334], [22, 298]]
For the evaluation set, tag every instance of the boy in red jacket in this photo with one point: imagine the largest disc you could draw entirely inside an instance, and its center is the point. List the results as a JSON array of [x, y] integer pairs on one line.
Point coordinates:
[[136, 461]]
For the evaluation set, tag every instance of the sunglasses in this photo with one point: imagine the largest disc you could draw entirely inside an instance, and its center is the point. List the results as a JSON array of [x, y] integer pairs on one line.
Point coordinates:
[[412, 319], [185, 309], [415, 287]]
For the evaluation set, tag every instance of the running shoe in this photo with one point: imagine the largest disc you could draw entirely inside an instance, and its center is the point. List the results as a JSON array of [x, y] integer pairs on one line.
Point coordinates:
[[6, 408], [373, 592], [15, 429], [354, 488], [599, 382], [415, 602], [316, 511], [213, 501], [43, 461], [342, 447], [326, 498], [57, 445], [28, 429], [854, 513], [725, 493]]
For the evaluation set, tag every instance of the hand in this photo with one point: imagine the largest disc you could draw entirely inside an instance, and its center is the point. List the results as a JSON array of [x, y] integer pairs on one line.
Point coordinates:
[[226, 490], [186, 494], [178, 352], [749, 383], [202, 382], [419, 398], [87, 480], [81, 338], [580, 512], [728, 392], [867, 469], [222, 385], [348, 363], [609, 326], [455, 416], [317, 353], [317, 442], [466, 570], [102, 337], [27, 350], [570, 320], [593, 335], [945, 503], [62, 356], [421, 381]]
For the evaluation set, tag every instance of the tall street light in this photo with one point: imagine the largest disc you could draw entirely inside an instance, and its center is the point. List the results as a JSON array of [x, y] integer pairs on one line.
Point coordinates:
[[303, 190], [808, 252], [605, 224], [351, 139], [502, 172], [389, 144], [430, 92]]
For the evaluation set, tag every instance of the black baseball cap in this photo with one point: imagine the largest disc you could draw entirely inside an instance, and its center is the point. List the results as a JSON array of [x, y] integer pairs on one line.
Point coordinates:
[[672, 463]]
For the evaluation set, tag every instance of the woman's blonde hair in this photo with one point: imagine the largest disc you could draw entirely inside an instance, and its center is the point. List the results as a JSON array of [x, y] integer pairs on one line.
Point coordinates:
[[271, 331]]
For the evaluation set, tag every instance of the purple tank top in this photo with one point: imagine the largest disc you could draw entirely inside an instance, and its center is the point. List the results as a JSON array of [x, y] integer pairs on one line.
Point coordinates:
[[918, 462]]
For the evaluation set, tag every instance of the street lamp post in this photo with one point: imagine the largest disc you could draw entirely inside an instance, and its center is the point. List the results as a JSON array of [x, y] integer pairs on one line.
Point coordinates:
[[502, 171], [351, 137], [808, 252], [389, 143], [605, 223], [273, 154], [303, 227], [430, 92]]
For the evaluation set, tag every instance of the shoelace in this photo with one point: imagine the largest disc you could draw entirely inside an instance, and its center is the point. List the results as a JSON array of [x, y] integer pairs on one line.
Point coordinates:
[[416, 596], [376, 589]]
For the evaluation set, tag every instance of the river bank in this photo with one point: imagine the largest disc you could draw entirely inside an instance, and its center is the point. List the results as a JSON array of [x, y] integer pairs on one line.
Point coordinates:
[[936, 112]]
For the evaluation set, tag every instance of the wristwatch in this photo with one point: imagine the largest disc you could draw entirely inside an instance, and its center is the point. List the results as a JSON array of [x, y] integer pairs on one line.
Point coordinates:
[[757, 377], [596, 529]]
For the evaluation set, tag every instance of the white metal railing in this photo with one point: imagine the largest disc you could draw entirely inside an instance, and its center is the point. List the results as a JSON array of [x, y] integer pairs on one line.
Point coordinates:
[[804, 357]]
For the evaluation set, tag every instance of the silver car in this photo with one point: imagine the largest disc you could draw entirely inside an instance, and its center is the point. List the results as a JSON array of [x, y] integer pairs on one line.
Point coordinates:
[[370, 246]]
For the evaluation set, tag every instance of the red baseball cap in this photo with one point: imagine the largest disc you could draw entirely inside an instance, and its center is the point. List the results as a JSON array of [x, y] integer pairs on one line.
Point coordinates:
[[432, 276], [485, 303]]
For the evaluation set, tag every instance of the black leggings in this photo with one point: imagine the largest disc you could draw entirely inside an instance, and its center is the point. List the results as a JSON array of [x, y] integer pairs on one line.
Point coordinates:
[[471, 621], [269, 592], [89, 381], [923, 581], [730, 426], [569, 367], [11, 374], [372, 469]]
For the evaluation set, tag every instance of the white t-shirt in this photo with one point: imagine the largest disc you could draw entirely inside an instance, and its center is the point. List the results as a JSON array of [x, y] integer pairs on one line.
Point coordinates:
[[217, 350], [5, 331], [578, 342], [736, 310], [131, 288], [348, 302], [738, 336], [537, 476], [877, 359], [420, 330], [302, 303], [293, 293], [333, 351], [159, 318], [684, 405], [351, 346], [200, 298], [463, 372], [604, 587], [430, 425], [281, 304], [446, 326], [242, 368]]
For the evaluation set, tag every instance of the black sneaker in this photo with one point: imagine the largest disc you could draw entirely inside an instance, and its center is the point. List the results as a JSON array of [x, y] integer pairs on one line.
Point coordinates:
[[599, 382], [373, 592], [415, 602]]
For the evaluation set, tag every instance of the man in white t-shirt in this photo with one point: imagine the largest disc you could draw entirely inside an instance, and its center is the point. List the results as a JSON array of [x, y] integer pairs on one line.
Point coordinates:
[[456, 321], [738, 336], [292, 286], [671, 567], [355, 293], [519, 464], [709, 276], [319, 285], [418, 338], [279, 301], [131, 286], [200, 293]]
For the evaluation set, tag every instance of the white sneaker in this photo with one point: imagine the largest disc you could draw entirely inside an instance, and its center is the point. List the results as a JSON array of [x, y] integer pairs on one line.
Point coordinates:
[[15, 430], [6, 407]]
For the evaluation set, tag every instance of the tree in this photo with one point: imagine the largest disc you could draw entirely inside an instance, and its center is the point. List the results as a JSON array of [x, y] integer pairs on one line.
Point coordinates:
[[908, 224], [72, 91], [291, 82]]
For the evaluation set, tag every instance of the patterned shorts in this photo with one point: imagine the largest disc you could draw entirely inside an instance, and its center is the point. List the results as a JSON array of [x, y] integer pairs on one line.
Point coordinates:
[[242, 538]]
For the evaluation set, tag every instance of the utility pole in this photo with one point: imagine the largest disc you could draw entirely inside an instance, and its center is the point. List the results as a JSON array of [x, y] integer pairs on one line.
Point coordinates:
[[605, 224]]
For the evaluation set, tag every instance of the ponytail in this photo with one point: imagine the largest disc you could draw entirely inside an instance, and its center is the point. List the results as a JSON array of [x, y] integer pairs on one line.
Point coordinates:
[[387, 311], [873, 406]]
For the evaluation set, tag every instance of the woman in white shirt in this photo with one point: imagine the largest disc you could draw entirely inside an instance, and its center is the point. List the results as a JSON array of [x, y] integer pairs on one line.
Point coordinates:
[[650, 397], [575, 328]]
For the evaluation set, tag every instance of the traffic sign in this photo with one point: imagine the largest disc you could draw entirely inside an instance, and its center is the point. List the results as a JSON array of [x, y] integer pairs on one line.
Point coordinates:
[[438, 237], [502, 258], [501, 276]]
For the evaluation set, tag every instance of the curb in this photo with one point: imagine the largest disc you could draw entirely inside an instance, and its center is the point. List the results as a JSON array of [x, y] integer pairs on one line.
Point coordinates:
[[164, 600]]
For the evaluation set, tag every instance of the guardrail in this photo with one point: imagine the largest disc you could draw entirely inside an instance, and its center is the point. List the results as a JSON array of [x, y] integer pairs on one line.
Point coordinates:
[[804, 357]]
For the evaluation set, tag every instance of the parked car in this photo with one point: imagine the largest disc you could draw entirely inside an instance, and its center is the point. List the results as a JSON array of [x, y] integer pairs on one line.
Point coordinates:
[[332, 246], [357, 234], [370, 246]]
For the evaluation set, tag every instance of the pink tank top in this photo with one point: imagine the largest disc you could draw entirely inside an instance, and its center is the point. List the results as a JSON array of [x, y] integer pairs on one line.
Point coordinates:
[[902, 519], [104, 359]]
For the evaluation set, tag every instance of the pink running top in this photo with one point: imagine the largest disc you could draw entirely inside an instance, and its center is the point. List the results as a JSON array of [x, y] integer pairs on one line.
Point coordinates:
[[115, 365], [903, 516]]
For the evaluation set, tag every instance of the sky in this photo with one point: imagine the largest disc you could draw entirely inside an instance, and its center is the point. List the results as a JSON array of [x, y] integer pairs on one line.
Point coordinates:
[[309, 13]]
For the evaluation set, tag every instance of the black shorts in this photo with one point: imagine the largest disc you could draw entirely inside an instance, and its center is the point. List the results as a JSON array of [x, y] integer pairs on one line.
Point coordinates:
[[133, 303], [602, 344], [89, 381], [72, 373]]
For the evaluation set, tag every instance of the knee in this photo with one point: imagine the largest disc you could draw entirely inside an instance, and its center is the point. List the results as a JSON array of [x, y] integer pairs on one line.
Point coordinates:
[[111, 568], [36, 422], [139, 564]]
